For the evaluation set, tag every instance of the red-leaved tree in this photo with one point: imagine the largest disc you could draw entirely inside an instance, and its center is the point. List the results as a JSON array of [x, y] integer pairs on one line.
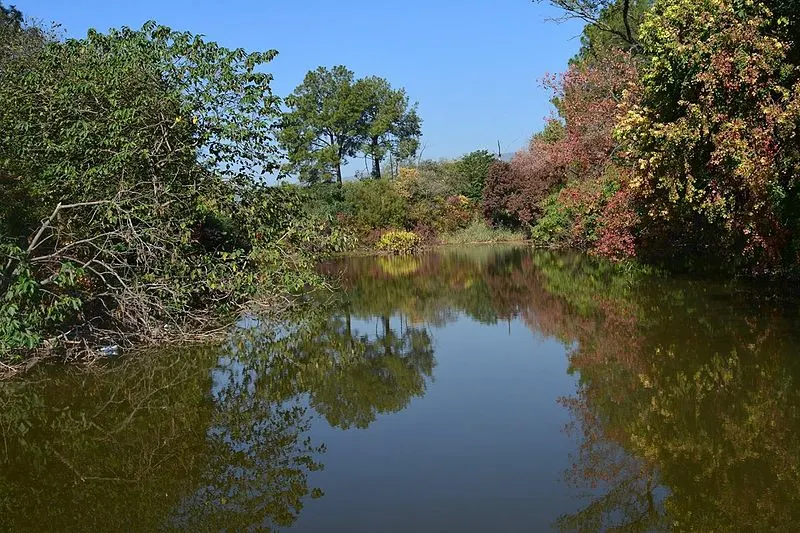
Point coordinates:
[[576, 151]]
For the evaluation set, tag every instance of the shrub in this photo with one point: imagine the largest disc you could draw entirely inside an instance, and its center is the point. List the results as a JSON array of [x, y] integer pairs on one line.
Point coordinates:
[[399, 242], [456, 213], [596, 216], [554, 226], [437, 179], [407, 182], [137, 200], [615, 238], [536, 172], [427, 233], [425, 212], [713, 135], [500, 186], [473, 169], [325, 200], [375, 204]]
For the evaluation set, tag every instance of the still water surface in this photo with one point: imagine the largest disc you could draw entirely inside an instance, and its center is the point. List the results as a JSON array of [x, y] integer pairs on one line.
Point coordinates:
[[485, 389]]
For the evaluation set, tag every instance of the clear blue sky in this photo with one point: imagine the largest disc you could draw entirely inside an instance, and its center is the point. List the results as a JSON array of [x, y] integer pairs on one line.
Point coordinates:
[[473, 66]]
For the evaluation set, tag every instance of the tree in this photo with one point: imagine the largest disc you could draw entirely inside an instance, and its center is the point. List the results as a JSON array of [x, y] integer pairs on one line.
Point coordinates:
[[133, 162], [501, 185], [567, 175], [712, 138], [19, 39], [325, 124], [333, 117], [610, 24], [133, 107], [10, 15], [473, 169], [375, 204], [393, 126]]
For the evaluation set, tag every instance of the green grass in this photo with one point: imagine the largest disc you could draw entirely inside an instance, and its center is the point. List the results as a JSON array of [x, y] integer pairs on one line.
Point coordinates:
[[479, 231]]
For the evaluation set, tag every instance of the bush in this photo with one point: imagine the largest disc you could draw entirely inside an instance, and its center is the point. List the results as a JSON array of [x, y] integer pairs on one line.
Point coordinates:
[[615, 236], [437, 179], [554, 226], [427, 234], [596, 216], [399, 242], [137, 201], [425, 212], [325, 200], [375, 204], [473, 168], [456, 213], [407, 182], [500, 185], [712, 136]]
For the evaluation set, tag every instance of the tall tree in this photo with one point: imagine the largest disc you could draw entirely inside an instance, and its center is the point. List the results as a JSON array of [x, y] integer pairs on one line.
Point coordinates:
[[324, 125], [10, 15], [393, 125], [610, 24], [333, 116]]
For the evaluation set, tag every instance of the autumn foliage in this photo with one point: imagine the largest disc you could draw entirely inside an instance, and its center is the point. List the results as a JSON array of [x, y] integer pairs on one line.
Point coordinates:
[[563, 183], [713, 139], [683, 142]]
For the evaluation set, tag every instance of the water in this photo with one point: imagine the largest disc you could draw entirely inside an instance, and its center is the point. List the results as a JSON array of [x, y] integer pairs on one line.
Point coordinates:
[[487, 389]]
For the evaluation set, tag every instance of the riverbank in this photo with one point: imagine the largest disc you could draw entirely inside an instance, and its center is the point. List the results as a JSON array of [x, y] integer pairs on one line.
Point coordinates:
[[81, 354]]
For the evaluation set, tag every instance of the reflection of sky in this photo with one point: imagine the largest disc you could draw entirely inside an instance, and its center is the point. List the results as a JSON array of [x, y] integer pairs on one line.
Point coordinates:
[[483, 450]]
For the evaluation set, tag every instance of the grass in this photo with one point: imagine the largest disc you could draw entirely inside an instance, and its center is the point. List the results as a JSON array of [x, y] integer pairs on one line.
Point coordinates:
[[479, 231]]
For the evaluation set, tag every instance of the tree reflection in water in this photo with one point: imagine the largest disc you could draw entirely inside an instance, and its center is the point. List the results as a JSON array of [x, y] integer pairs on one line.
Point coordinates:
[[688, 406], [686, 414], [144, 445]]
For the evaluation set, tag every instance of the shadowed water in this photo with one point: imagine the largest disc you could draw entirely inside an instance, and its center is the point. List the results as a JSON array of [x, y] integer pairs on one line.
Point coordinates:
[[486, 389]]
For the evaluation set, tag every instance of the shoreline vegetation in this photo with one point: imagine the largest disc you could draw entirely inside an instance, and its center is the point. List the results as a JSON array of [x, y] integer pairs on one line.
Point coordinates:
[[133, 169]]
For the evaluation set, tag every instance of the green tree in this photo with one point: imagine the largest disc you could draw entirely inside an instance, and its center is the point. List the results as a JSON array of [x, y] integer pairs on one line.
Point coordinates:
[[132, 161], [473, 169], [393, 125], [332, 117], [325, 124], [610, 24], [10, 15]]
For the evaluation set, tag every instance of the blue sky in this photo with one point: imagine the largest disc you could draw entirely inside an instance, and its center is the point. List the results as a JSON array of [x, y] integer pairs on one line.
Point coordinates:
[[473, 66]]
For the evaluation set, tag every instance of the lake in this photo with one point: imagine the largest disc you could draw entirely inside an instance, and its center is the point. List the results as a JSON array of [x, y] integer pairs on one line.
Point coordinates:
[[480, 389]]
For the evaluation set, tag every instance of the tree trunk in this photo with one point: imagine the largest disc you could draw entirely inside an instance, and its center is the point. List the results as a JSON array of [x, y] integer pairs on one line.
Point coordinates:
[[387, 336], [376, 159], [339, 173], [349, 327]]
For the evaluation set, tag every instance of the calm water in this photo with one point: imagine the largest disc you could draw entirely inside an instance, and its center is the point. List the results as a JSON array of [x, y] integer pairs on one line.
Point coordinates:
[[489, 389]]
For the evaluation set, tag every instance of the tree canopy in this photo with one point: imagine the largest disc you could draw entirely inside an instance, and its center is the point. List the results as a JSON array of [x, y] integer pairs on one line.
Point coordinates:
[[712, 134], [393, 125], [130, 166], [332, 117]]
